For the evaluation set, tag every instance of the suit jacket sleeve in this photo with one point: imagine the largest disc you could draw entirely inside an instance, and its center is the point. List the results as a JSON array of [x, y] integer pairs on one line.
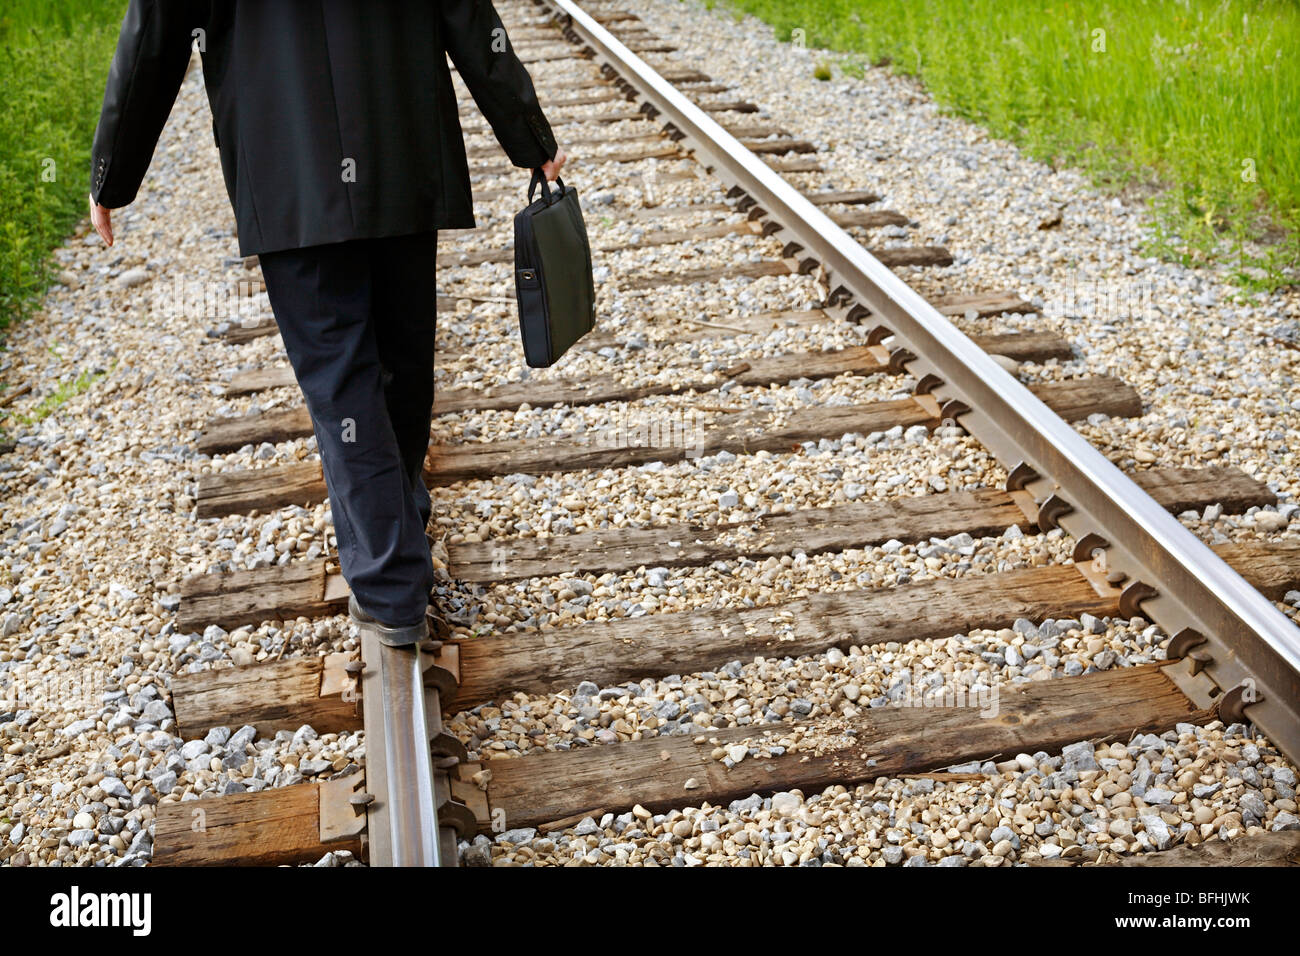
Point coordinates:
[[476, 40], [153, 52]]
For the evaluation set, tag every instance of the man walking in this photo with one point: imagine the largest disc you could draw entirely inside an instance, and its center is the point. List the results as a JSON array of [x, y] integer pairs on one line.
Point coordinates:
[[342, 153]]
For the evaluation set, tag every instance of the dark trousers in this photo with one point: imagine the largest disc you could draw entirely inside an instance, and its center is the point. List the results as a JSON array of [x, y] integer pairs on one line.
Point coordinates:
[[357, 319]]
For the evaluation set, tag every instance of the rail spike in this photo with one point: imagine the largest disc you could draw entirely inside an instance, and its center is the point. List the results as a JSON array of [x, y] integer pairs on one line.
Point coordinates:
[[1181, 643], [439, 677], [1087, 546], [1020, 476], [459, 817], [448, 746], [1131, 598], [1051, 511], [839, 296], [899, 358], [928, 383], [1232, 705], [953, 409]]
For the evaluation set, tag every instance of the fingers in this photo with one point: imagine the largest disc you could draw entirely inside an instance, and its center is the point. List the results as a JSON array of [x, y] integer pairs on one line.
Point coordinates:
[[102, 220], [551, 168]]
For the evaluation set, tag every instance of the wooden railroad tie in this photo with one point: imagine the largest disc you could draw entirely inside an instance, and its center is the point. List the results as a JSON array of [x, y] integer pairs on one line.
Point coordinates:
[[1020, 346], [243, 490], [979, 305], [1247, 849], [981, 512], [758, 132], [304, 588], [284, 825], [273, 696], [865, 219], [227, 434]]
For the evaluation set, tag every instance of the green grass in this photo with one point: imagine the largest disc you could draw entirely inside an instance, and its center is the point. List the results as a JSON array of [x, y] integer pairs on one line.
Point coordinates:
[[1193, 103], [54, 59], [60, 396]]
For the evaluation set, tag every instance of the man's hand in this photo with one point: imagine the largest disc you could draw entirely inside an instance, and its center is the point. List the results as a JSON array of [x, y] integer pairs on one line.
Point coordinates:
[[550, 169], [102, 220]]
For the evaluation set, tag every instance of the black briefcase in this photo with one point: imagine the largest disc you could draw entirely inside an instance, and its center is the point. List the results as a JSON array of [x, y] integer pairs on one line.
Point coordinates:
[[553, 284]]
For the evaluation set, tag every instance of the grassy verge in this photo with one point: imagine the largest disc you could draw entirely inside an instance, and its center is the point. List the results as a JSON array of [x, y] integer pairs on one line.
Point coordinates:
[[1197, 102], [60, 396], [54, 59]]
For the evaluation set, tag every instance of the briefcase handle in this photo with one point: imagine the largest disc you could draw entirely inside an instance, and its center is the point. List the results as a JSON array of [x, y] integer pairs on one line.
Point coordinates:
[[540, 178]]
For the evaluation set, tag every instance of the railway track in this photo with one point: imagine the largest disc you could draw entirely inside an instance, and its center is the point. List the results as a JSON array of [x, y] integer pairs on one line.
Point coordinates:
[[1232, 656]]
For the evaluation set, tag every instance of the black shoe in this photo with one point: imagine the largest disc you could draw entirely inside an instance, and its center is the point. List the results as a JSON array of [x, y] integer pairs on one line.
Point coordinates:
[[392, 636], [358, 615]]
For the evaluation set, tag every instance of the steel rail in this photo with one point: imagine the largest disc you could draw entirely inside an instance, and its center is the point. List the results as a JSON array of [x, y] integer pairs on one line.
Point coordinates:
[[402, 825], [1178, 582], [412, 812]]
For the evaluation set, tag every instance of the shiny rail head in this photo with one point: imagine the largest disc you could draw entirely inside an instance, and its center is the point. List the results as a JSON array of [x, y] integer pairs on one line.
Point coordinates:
[[403, 818]]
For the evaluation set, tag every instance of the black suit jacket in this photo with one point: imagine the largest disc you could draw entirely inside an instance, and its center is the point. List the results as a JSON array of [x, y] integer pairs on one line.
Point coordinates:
[[335, 119]]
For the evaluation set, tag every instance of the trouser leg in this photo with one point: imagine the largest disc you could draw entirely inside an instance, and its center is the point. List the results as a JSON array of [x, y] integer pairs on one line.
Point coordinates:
[[404, 305], [322, 297]]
